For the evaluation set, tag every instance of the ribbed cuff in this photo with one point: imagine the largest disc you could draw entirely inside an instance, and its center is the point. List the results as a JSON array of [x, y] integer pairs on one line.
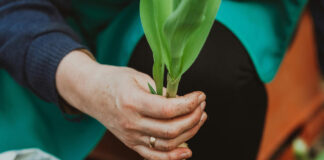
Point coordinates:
[[43, 57]]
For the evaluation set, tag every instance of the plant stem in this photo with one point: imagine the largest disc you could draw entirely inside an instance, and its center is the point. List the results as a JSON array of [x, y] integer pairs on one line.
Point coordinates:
[[172, 87], [158, 76]]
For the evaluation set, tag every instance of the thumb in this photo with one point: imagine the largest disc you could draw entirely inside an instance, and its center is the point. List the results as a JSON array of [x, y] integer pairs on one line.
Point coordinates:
[[143, 80]]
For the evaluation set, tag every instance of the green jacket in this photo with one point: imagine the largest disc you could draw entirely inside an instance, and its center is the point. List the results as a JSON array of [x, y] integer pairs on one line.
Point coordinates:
[[111, 29]]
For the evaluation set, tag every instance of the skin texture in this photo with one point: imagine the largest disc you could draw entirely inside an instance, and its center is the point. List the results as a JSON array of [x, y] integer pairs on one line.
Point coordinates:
[[119, 98]]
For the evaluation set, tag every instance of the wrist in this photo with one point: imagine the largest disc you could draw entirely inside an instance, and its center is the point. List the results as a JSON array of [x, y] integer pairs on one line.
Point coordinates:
[[73, 72]]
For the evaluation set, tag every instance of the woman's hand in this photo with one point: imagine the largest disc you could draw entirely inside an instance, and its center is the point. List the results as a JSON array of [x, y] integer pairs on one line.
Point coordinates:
[[119, 98]]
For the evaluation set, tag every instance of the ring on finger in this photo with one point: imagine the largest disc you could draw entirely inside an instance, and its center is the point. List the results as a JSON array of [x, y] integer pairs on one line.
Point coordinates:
[[152, 142]]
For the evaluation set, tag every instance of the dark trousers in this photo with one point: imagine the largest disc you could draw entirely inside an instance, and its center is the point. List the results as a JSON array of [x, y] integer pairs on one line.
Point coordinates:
[[236, 98], [317, 10]]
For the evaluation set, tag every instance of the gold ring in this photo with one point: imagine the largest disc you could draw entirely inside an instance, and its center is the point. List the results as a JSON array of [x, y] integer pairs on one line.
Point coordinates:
[[152, 142]]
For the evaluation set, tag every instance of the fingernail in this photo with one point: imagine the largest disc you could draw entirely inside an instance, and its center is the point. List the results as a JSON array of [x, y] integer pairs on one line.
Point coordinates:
[[201, 97], [203, 105], [202, 117], [185, 155]]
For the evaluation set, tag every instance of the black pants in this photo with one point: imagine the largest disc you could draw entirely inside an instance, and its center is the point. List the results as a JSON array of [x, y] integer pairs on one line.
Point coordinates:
[[236, 98]]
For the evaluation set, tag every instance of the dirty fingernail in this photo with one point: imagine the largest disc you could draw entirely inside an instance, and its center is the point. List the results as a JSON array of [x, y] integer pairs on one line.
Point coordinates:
[[201, 97], [203, 117], [185, 155], [203, 105]]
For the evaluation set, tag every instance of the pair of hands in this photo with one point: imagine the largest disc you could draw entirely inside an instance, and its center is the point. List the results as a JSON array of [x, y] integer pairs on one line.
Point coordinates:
[[119, 98]]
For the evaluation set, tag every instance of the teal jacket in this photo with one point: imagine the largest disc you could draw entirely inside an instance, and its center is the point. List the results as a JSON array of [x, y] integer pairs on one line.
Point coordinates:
[[111, 29]]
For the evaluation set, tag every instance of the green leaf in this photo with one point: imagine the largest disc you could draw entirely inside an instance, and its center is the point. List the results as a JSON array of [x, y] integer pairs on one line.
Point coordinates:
[[199, 37], [151, 89], [176, 4], [300, 149], [186, 30], [320, 156], [153, 13], [176, 30]]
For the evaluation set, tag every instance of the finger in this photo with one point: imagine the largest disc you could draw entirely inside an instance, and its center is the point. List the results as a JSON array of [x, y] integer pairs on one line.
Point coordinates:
[[143, 79], [147, 79], [155, 106], [151, 154], [168, 145], [169, 129]]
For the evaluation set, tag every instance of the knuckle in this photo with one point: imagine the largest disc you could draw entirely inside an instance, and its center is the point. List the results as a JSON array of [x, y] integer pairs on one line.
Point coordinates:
[[171, 133], [128, 104], [128, 140], [169, 146], [169, 156], [196, 117], [167, 111], [128, 125], [136, 148], [188, 105], [175, 132], [147, 77], [194, 131], [189, 108], [194, 102], [128, 143]]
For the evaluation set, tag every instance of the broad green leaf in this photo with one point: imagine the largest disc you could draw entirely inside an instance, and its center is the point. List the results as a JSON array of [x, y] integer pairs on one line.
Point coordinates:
[[186, 30], [320, 156], [153, 14], [198, 38], [175, 4], [176, 31]]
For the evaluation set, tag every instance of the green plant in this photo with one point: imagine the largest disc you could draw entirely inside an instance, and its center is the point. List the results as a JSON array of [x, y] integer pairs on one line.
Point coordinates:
[[176, 31], [320, 156], [301, 151]]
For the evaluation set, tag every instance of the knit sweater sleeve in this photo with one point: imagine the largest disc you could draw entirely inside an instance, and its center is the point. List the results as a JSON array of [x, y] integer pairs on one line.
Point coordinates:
[[33, 40]]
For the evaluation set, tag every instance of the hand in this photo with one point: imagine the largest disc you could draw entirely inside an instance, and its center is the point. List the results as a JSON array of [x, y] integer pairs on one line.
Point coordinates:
[[119, 98]]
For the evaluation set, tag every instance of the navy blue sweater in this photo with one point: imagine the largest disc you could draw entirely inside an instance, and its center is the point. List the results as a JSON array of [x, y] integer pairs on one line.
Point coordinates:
[[33, 40]]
